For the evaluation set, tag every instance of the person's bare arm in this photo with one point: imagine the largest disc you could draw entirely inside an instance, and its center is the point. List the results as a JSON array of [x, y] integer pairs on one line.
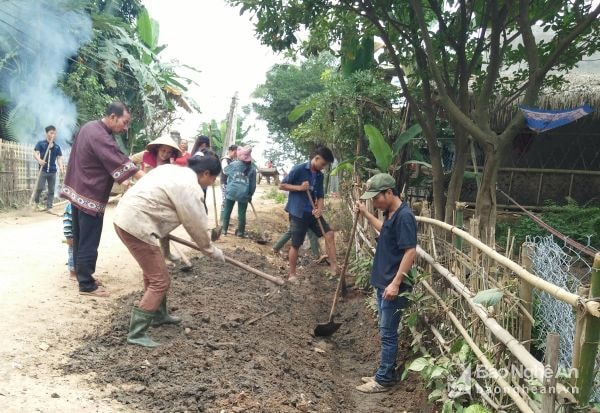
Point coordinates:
[[59, 162], [373, 220], [295, 188], [38, 158], [319, 207], [391, 291]]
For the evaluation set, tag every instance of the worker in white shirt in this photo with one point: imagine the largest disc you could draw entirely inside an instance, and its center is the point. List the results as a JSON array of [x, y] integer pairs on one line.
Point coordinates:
[[166, 198]]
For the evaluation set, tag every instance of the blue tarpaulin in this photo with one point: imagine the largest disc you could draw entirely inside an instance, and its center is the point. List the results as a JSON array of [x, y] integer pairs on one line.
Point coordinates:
[[541, 120]]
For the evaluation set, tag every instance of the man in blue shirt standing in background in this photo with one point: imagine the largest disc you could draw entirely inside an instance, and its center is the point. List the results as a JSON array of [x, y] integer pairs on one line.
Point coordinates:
[[48, 163], [394, 257], [303, 177]]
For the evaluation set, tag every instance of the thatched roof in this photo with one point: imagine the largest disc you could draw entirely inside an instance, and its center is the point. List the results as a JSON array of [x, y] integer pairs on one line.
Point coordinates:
[[578, 89]]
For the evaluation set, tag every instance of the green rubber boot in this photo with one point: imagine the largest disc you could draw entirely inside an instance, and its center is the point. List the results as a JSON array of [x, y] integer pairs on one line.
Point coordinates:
[[162, 316], [140, 321]]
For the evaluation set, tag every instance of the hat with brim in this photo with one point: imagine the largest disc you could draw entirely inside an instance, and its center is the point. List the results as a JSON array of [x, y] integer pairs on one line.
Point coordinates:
[[378, 183], [164, 140]]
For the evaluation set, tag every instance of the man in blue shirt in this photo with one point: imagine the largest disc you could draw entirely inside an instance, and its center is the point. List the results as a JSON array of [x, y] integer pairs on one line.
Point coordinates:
[[48, 155], [303, 177], [394, 257]]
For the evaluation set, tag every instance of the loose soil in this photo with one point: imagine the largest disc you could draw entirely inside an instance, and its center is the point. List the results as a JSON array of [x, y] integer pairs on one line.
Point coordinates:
[[244, 344]]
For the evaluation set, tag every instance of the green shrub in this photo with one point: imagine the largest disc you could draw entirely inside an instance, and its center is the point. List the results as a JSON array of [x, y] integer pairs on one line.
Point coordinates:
[[571, 220], [360, 268]]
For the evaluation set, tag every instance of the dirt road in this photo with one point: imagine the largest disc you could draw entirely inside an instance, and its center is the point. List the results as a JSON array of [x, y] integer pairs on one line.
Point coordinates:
[[60, 351]]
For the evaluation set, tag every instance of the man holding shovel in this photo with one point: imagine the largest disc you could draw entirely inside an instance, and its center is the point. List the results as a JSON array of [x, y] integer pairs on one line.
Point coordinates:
[[394, 257], [305, 206], [48, 155]]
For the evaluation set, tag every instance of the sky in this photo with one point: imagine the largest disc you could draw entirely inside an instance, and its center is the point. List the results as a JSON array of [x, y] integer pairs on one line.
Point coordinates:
[[212, 37]]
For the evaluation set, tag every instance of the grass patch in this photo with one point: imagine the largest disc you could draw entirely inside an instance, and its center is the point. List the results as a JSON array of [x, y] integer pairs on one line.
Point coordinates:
[[276, 195]]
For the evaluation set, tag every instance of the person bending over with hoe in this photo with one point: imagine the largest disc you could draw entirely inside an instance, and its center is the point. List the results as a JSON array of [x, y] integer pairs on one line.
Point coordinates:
[[305, 206], [394, 257], [167, 197]]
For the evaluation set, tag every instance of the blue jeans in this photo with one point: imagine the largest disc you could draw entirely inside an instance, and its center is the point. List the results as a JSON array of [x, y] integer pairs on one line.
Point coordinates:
[[390, 313]]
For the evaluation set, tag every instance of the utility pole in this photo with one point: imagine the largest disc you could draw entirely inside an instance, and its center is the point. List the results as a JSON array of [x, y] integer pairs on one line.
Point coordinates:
[[231, 126]]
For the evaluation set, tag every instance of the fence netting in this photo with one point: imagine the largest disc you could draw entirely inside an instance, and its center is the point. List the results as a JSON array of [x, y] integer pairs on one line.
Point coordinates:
[[557, 262]]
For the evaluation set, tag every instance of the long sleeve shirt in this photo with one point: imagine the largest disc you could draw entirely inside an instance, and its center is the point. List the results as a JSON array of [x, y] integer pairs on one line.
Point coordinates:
[[162, 200], [94, 164]]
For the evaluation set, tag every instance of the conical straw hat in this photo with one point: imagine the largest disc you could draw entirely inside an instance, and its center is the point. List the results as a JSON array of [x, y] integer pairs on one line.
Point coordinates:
[[163, 140]]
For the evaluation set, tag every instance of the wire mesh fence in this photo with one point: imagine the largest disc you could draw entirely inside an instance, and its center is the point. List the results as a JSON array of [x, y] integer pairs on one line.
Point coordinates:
[[555, 261]]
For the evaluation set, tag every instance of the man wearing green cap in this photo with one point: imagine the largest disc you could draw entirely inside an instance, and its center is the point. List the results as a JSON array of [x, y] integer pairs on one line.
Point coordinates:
[[394, 257]]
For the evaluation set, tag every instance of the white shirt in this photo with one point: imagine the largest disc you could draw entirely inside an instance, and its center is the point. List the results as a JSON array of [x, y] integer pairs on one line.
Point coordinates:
[[160, 201]]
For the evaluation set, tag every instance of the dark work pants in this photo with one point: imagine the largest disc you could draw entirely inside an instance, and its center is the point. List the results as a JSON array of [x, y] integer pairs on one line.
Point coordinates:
[[87, 230], [49, 177]]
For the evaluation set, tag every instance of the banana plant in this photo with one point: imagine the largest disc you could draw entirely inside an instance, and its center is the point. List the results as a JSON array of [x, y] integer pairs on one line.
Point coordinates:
[[387, 158]]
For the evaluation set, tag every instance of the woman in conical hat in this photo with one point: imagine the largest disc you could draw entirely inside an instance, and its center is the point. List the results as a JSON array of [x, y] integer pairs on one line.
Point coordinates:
[[160, 151]]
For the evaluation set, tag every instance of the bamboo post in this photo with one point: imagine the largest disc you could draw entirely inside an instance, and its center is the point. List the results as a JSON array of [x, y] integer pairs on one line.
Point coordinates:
[[552, 351], [570, 185], [458, 222], [589, 347], [579, 329], [535, 367], [475, 255], [526, 295], [540, 185]]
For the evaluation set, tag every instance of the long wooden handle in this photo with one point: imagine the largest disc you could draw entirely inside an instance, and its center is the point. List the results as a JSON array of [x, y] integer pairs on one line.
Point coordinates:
[[312, 203], [275, 280], [254, 211], [215, 205], [37, 181], [345, 267]]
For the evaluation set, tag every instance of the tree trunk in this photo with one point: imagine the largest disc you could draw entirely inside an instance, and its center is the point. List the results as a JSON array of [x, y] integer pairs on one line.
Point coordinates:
[[485, 207], [456, 180], [439, 198]]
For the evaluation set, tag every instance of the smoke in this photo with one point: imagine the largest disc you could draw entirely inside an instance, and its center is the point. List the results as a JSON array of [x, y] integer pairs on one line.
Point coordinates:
[[38, 37]]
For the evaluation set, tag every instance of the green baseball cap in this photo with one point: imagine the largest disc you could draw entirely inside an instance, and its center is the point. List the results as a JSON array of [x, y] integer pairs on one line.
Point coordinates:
[[378, 183]]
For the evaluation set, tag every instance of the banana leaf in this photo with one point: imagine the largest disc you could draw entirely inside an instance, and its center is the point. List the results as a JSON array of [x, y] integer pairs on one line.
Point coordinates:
[[379, 147]]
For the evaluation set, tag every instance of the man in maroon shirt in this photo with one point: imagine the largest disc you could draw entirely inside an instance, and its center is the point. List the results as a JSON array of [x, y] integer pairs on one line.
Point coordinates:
[[94, 164]]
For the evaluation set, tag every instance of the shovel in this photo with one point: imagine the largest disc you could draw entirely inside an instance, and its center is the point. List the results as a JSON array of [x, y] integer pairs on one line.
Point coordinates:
[[263, 239], [330, 327]]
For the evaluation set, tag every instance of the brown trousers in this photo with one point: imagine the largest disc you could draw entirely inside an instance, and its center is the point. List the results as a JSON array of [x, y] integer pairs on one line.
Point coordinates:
[[154, 268]]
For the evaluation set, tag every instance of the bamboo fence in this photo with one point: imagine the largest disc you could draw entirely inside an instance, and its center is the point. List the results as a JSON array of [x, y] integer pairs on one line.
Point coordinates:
[[459, 266]]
